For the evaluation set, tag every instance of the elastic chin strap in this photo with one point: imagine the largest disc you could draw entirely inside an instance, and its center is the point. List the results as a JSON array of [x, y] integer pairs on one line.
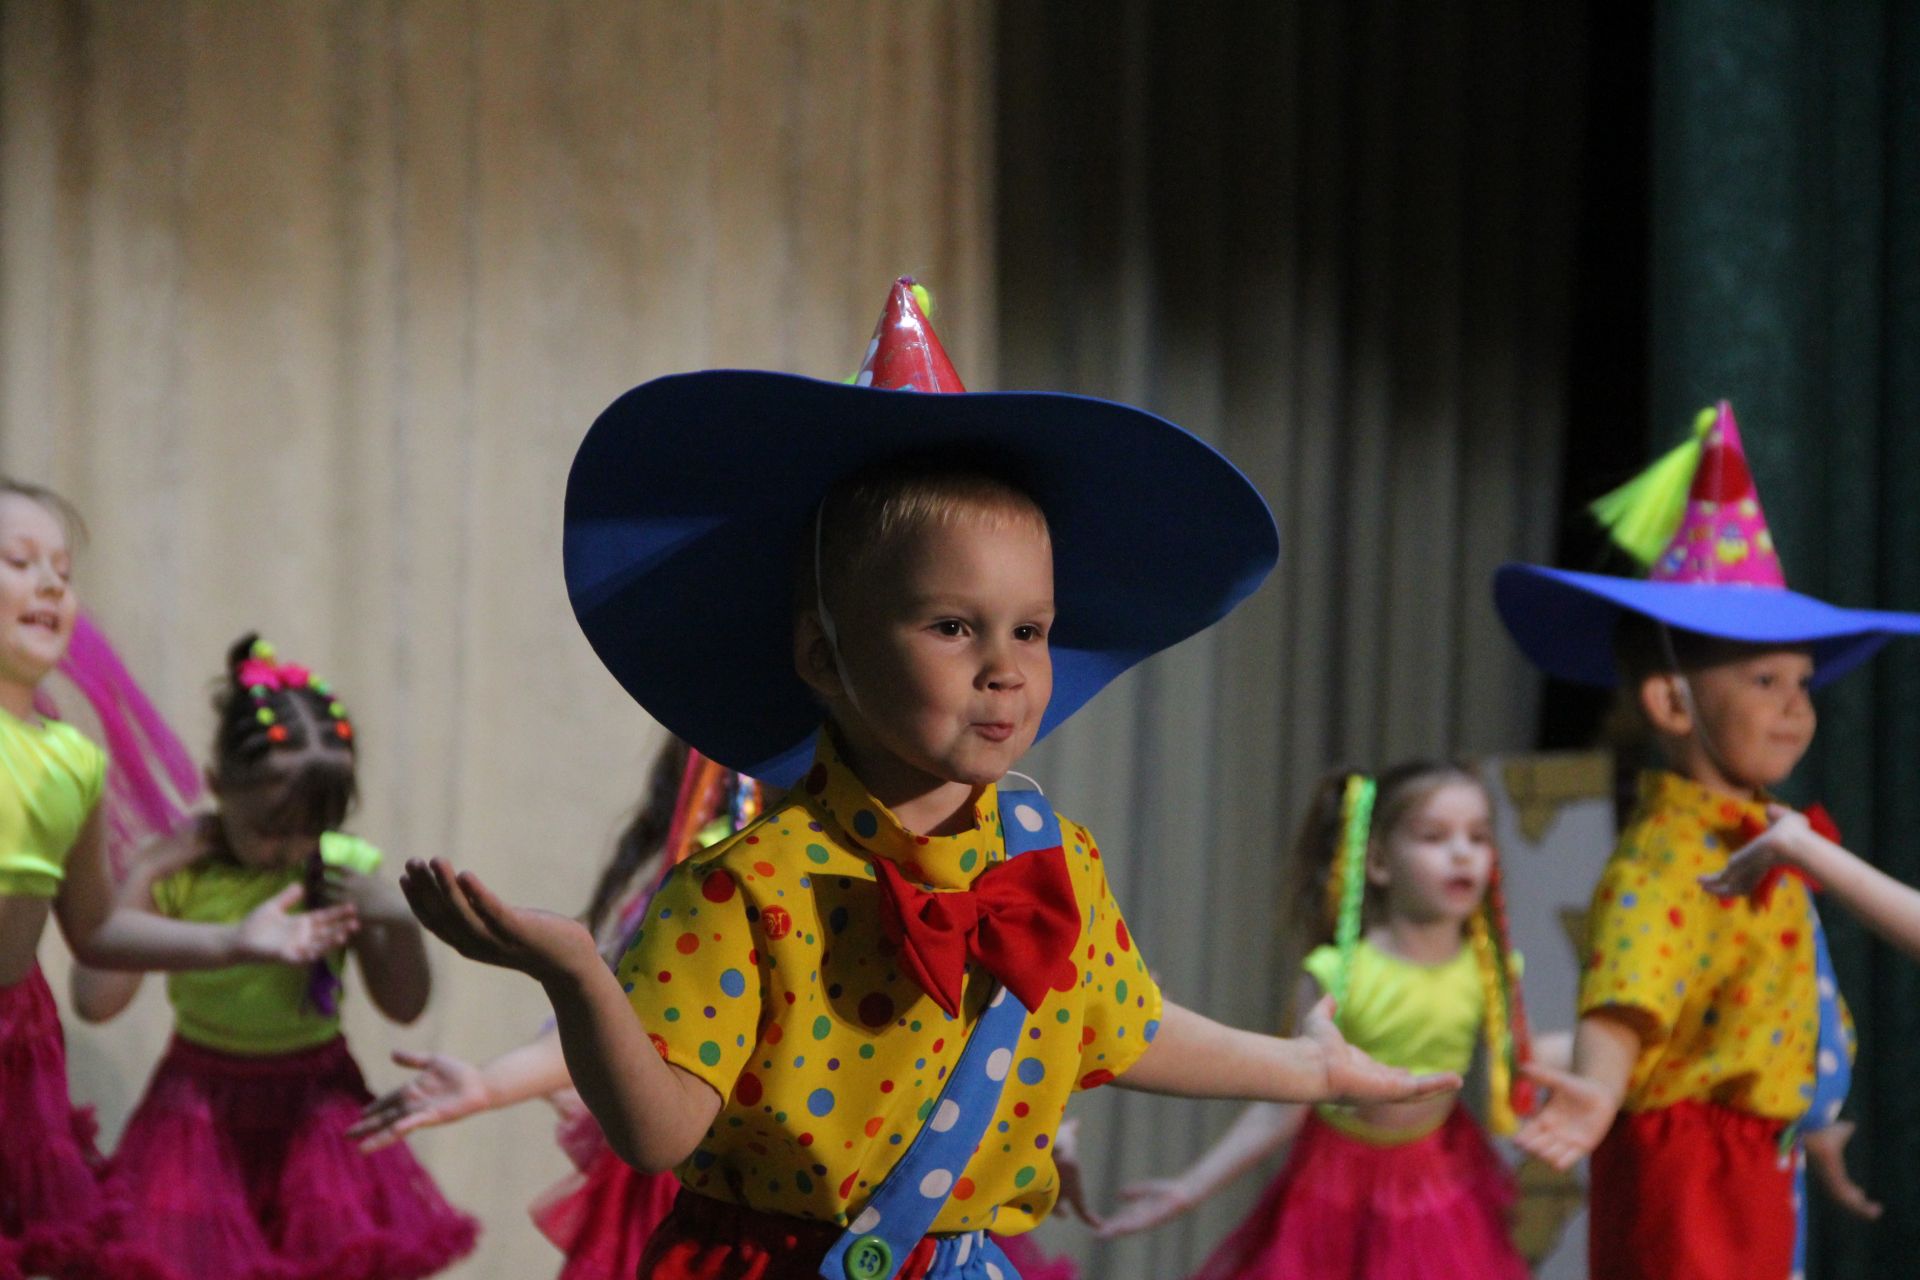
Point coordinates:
[[1687, 701], [827, 628]]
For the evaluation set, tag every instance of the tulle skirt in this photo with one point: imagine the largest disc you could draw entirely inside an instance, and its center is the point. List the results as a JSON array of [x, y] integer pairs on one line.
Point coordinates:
[[240, 1168], [52, 1210], [1436, 1208], [602, 1215]]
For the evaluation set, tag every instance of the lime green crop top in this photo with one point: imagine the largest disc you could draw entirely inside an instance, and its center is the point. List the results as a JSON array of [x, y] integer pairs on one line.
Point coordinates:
[[249, 1008], [1420, 1017], [52, 777]]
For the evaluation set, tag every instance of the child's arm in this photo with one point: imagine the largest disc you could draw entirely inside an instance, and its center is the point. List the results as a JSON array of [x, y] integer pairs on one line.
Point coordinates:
[[110, 935], [1826, 1155], [1583, 1102], [449, 1089], [1886, 906], [100, 994], [1256, 1133], [1260, 1130], [1196, 1057], [653, 1113], [391, 952]]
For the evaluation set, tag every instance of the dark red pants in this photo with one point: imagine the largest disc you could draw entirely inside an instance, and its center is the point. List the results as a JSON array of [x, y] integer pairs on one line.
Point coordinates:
[[1694, 1191], [706, 1239]]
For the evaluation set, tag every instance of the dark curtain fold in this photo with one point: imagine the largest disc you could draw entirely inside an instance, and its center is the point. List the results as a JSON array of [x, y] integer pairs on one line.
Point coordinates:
[[1786, 199], [1337, 240]]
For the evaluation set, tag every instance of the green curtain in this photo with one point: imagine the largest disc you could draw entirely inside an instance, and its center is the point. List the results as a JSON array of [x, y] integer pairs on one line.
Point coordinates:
[[1786, 276]]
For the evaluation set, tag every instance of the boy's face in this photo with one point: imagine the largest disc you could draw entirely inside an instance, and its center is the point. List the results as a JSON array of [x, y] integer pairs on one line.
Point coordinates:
[[1752, 717], [945, 646]]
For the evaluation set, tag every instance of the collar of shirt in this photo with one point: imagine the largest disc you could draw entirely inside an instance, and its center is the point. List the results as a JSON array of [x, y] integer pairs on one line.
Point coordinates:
[[1668, 797], [842, 803]]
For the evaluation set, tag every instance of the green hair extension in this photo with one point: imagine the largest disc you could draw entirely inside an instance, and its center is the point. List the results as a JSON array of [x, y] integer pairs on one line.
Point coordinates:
[[1642, 515], [1356, 823]]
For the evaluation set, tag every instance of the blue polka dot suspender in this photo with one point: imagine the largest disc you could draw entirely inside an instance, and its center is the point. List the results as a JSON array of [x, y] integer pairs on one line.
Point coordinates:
[[1832, 1076], [908, 1199]]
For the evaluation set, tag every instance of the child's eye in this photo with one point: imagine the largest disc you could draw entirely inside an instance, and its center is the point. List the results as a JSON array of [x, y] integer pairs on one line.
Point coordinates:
[[950, 627], [1029, 632]]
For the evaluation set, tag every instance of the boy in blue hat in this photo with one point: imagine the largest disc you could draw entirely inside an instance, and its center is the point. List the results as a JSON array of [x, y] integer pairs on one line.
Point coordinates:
[[1711, 1036], [867, 1011]]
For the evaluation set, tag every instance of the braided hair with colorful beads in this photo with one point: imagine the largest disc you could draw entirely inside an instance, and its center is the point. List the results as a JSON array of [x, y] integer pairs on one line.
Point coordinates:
[[1339, 853], [280, 725]]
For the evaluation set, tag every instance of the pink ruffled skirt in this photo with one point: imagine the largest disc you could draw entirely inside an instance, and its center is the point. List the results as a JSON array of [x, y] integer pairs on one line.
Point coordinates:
[[52, 1210], [239, 1167], [1436, 1208]]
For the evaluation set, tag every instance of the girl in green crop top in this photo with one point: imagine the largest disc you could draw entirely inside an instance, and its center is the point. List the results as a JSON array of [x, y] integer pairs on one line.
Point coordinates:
[[1405, 898], [52, 864], [252, 1103]]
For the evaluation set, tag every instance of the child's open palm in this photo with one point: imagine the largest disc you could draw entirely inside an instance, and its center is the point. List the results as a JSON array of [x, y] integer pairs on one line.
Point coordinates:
[[1577, 1115], [447, 1089], [273, 930], [1354, 1077], [469, 917]]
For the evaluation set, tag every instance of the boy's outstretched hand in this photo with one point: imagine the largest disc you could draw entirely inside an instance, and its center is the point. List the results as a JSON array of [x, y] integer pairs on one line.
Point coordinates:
[[467, 916], [1577, 1115], [1747, 868], [1354, 1077]]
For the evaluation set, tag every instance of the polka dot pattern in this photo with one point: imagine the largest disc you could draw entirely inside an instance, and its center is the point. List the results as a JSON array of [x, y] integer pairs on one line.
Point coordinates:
[[1732, 987], [828, 1057]]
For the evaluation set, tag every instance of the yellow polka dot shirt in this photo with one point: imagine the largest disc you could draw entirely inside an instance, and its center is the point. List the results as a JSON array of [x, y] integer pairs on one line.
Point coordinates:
[[1728, 989], [764, 970]]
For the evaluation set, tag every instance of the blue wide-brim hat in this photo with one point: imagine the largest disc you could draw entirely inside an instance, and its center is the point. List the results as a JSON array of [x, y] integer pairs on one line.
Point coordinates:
[[1694, 519], [691, 496], [1565, 620]]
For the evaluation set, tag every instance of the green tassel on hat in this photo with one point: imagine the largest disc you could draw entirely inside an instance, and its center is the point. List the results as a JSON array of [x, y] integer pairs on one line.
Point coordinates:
[[1642, 514]]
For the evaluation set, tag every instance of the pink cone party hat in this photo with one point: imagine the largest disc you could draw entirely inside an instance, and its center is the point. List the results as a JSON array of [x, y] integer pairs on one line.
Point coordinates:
[[1694, 519]]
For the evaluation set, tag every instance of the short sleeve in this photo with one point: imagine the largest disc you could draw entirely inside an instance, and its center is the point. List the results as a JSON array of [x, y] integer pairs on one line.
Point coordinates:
[[338, 849], [693, 975], [1640, 936], [1123, 1002], [1322, 964]]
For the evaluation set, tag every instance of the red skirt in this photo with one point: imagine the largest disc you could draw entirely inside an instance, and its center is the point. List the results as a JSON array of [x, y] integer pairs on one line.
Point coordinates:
[[1436, 1208], [240, 1167], [1694, 1191], [603, 1215], [52, 1210]]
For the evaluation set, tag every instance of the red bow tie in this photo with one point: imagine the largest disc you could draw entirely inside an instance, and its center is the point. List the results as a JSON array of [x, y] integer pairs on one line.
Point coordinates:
[[1019, 922], [1751, 829]]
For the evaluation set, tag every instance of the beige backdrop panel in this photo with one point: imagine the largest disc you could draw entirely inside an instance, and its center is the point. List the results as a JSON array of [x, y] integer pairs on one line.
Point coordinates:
[[307, 305]]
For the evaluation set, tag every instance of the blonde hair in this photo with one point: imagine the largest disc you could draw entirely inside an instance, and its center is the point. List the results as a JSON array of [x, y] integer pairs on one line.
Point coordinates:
[[871, 513]]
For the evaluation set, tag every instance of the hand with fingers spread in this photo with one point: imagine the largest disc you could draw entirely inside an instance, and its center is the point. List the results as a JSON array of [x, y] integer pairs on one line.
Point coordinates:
[[278, 930], [1147, 1204], [447, 1089], [469, 917], [1826, 1156], [1747, 870], [1354, 1077], [1576, 1116]]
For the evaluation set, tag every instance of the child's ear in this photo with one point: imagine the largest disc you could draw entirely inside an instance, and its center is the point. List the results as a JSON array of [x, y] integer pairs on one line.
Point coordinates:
[[1377, 875], [1665, 703], [813, 657]]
